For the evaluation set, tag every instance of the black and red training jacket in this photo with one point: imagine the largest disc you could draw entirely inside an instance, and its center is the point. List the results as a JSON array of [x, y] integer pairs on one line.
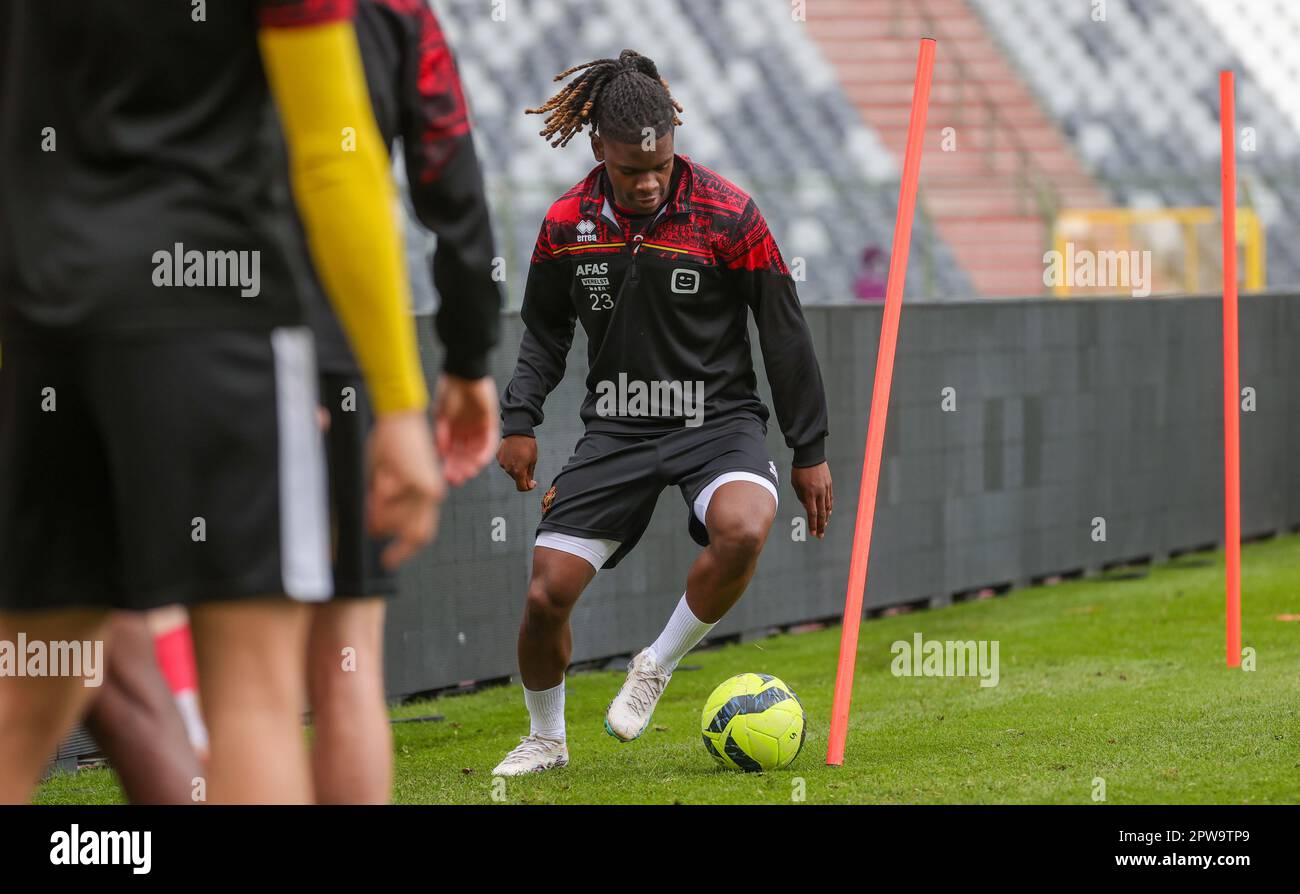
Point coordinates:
[[416, 94], [667, 304]]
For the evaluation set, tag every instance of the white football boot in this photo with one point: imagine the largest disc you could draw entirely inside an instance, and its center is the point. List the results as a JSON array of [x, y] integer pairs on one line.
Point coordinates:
[[630, 711], [533, 754]]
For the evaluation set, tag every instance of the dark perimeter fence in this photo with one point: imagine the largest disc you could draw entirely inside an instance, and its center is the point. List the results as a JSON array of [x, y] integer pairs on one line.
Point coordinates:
[[1017, 429]]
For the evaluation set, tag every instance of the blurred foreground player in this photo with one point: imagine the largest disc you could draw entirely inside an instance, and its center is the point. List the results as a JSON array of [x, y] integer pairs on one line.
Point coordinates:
[[158, 430], [417, 98], [416, 94], [662, 260]]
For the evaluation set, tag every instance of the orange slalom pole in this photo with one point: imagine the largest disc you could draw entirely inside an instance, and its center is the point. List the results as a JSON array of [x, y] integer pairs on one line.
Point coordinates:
[[1231, 385], [879, 406]]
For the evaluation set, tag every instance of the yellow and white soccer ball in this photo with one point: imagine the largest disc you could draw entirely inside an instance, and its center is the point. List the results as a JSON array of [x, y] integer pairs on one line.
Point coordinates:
[[753, 722]]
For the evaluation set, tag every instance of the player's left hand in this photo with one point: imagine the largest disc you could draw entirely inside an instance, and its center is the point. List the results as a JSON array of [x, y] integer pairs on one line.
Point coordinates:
[[467, 425], [813, 487]]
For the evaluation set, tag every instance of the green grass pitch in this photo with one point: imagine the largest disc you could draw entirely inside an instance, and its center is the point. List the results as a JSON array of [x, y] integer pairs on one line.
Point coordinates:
[[1118, 680]]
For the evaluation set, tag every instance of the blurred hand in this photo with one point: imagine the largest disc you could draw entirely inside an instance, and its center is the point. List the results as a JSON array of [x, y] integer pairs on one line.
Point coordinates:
[[518, 456], [467, 427], [813, 487], [406, 487]]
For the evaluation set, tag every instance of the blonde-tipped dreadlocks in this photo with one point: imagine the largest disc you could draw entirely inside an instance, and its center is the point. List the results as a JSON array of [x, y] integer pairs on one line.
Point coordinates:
[[618, 98]]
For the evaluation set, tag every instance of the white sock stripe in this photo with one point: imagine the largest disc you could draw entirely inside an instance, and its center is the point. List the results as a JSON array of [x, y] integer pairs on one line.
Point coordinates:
[[187, 703], [304, 513]]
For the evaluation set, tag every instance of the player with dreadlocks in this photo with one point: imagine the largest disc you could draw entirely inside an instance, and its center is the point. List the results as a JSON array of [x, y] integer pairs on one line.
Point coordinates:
[[661, 260]]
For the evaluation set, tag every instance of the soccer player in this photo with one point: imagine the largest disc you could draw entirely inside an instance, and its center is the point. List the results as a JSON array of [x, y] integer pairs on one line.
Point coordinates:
[[416, 94], [661, 260], [158, 431]]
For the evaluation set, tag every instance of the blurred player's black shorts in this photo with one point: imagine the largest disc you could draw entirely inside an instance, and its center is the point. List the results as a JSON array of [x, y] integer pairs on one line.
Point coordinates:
[[147, 470], [357, 569], [608, 488]]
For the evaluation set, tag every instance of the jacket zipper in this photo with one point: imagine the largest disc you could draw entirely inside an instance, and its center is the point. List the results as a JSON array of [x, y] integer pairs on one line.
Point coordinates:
[[636, 247], [637, 240]]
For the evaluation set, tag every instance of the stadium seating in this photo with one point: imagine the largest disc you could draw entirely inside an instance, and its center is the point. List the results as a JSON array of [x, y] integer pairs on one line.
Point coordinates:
[[1052, 110], [1263, 34], [1138, 93], [761, 107], [996, 164]]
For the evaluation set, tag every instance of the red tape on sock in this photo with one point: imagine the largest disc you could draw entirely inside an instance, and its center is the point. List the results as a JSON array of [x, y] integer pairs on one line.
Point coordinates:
[[175, 651]]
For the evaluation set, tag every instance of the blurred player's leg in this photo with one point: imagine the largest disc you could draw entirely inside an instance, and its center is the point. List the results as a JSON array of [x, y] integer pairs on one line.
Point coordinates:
[[545, 645], [134, 719], [352, 753], [250, 657], [174, 646], [352, 750], [36, 712], [57, 540]]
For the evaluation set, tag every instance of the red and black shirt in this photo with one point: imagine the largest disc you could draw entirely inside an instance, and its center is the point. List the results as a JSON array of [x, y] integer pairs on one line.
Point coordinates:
[[131, 131], [416, 93], [667, 302]]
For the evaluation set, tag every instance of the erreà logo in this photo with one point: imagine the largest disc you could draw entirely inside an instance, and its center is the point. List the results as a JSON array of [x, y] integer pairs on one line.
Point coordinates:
[[586, 231]]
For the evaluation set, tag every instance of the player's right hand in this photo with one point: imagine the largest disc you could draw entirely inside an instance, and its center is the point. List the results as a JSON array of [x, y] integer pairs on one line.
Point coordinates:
[[518, 456], [406, 486]]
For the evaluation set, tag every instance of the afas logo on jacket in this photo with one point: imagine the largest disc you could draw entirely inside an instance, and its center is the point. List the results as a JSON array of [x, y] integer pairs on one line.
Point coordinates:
[[594, 277]]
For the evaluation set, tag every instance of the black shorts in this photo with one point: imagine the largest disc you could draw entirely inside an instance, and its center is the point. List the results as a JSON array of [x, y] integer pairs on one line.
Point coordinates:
[[609, 487], [178, 467], [357, 569]]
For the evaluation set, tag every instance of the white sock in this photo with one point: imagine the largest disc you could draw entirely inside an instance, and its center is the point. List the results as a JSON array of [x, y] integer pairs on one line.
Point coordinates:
[[546, 711], [683, 633], [187, 702]]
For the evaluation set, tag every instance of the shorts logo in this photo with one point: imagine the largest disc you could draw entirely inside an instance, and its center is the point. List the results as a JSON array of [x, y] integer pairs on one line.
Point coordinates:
[[685, 281], [771, 465], [586, 231], [548, 499]]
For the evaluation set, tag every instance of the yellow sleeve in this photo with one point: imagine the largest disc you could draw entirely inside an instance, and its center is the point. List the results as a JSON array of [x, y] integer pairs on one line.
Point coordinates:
[[339, 168]]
